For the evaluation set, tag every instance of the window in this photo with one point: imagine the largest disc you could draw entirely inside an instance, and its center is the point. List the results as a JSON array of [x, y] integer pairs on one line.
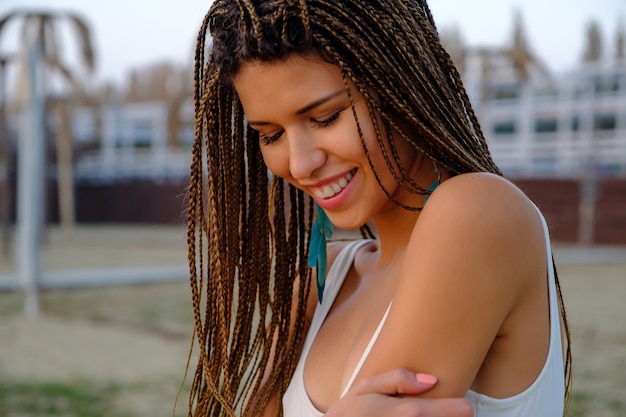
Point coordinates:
[[142, 132], [575, 125], [604, 122], [546, 93], [505, 127], [504, 92], [608, 84], [546, 125]]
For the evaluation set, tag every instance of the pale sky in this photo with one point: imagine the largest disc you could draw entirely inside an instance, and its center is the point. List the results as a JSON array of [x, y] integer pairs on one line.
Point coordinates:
[[137, 33]]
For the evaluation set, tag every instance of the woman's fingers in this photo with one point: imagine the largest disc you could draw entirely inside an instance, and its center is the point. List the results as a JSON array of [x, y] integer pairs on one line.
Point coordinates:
[[396, 382], [391, 395]]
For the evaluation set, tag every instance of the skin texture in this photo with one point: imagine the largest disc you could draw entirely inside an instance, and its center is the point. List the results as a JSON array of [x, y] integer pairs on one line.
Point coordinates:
[[491, 299]]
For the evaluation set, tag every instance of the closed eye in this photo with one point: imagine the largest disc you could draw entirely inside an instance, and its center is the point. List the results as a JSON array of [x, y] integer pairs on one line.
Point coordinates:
[[267, 140], [326, 122], [270, 139]]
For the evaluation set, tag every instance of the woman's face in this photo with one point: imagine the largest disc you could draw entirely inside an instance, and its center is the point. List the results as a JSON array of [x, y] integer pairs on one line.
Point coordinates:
[[309, 136]]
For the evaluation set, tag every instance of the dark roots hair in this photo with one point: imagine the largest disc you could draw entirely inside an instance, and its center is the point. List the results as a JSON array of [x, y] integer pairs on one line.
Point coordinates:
[[248, 233]]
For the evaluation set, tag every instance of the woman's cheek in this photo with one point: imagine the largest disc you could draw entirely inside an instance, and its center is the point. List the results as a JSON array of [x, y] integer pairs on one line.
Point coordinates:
[[275, 161]]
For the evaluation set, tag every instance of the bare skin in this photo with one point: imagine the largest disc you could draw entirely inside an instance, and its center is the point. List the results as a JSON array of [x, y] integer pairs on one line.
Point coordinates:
[[467, 275], [394, 394]]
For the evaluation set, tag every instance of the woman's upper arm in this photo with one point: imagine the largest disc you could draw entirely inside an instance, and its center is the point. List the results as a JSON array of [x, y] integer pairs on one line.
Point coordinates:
[[462, 275]]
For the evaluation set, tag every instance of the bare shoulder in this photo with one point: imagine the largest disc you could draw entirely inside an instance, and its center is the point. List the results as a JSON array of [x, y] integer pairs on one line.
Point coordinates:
[[485, 226], [485, 205], [480, 187]]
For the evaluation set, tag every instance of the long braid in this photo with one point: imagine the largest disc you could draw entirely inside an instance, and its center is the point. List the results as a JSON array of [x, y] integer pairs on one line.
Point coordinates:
[[248, 234], [568, 337]]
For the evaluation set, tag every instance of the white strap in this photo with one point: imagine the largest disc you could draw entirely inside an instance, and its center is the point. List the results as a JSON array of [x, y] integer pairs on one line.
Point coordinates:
[[366, 352]]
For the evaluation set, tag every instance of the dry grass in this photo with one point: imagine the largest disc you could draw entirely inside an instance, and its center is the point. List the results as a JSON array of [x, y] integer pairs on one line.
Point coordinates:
[[114, 352], [595, 300], [121, 351]]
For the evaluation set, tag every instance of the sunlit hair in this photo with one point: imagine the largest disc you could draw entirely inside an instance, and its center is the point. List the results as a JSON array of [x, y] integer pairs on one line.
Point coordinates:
[[247, 233]]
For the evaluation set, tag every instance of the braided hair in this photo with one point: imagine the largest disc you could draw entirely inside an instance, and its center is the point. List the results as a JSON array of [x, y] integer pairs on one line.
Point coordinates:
[[248, 233]]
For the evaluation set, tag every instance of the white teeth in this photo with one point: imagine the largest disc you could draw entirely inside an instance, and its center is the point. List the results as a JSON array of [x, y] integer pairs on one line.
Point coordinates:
[[330, 190]]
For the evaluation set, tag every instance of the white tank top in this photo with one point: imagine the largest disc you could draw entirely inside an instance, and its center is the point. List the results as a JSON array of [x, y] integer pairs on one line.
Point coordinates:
[[544, 398]]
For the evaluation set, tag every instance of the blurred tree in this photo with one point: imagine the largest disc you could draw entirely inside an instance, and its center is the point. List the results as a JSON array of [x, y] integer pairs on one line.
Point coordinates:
[[180, 91], [520, 53], [593, 47], [166, 83], [46, 26], [452, 41], [517, 57], [174, 103]]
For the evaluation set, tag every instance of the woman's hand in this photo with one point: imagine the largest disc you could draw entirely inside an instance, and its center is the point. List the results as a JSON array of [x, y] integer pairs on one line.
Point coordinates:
[[391, 394]]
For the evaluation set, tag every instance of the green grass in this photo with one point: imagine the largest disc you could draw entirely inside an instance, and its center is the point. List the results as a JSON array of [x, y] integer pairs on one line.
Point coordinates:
[[89, 399], [162, 310], [92, 399], [78, 399], [162, 307], [584, 404]]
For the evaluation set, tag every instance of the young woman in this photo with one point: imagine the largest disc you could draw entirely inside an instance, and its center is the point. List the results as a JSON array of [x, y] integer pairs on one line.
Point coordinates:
[[355, 106]]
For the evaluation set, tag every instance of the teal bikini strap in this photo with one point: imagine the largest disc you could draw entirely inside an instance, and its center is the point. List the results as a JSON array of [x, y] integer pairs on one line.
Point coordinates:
[[434, 184]]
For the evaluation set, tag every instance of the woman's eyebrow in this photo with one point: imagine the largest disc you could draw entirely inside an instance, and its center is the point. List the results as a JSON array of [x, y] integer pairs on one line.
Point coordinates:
[[318, 102], [305, 109]]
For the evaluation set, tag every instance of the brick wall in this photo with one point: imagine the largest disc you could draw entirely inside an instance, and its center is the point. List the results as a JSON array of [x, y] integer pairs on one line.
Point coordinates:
[[558, 200], [164, 203], [610, 215], [126, 202]]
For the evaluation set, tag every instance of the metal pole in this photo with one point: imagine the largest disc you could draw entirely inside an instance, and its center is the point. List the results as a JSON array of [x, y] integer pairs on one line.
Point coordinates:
[[30, 185], [5, 158]]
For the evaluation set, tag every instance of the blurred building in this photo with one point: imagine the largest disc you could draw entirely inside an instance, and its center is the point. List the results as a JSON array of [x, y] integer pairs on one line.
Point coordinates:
[[566, 127], [133, 143], [569, 126], [143, 132], [561, 139]]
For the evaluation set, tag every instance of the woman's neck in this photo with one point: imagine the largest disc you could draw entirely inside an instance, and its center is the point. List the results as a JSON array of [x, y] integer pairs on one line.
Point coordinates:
[[394, 224]]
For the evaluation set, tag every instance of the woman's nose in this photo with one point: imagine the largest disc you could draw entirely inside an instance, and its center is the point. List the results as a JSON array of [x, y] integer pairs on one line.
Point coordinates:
[[305, 156]]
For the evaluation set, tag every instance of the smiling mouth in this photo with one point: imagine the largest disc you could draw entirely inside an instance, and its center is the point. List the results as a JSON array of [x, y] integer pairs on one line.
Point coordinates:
[[333, 189]]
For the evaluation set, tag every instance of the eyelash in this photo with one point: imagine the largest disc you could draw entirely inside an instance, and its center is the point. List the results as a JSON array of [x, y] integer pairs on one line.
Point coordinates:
[[326, 122], [267, 140]]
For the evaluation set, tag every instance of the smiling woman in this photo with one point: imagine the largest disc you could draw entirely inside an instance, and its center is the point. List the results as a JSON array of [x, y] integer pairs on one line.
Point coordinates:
[[303, 112], [359, 113]]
